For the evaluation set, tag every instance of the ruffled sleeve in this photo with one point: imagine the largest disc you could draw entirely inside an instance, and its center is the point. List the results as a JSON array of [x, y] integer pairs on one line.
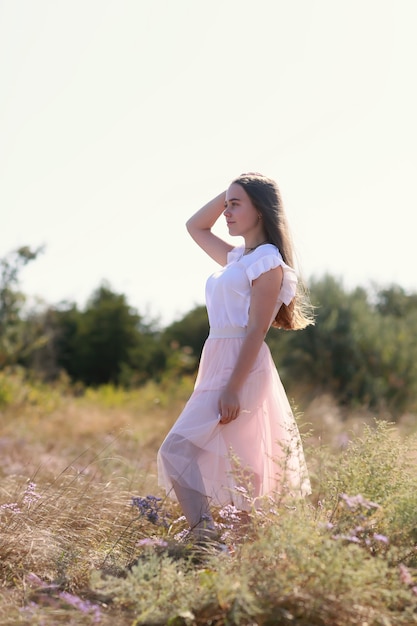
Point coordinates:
[[268, 262]]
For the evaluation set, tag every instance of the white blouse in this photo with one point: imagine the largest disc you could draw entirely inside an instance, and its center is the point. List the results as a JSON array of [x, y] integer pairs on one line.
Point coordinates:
[[228, 290]]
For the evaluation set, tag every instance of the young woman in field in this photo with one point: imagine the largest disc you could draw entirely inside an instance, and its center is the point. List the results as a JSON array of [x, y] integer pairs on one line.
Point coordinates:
[[236, 439]]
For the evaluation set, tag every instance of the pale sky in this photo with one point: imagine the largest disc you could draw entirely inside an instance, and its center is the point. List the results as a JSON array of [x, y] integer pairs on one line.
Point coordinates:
[[119, 119]]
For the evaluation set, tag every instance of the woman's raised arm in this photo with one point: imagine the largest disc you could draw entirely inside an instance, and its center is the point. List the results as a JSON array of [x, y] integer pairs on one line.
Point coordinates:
[[200, 224]]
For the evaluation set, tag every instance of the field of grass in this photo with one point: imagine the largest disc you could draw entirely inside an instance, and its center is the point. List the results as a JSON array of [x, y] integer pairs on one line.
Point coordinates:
[[85, 538]]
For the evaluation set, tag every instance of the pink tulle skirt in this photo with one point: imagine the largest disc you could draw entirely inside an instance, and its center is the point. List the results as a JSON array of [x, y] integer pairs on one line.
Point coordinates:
[[260, 453]]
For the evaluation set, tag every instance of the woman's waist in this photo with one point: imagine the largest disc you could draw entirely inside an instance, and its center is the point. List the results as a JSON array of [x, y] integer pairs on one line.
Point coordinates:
[[227, 332]]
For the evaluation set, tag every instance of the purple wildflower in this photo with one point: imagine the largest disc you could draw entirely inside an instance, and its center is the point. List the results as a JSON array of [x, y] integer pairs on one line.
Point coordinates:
[[183, 535], [82, 605], [229, 512], [354, 502], [29, 609], [405, 575], [34, 580], [343, 440], [30, 496], [13, 507], [152, 542], [150, 507]]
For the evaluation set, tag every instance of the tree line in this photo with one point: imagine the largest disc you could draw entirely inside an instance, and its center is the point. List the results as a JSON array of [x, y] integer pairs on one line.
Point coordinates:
[[362, 349]]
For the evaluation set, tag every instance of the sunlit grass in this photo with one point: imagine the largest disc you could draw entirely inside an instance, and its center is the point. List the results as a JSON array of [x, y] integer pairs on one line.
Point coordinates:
[[85, 538]]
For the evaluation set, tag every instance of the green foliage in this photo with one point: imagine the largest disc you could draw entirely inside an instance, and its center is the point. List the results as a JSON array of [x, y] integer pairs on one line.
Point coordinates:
[[6, 391], [189, 332], [107, 342], [16, 338], [363, 468], [366, 462], [395, 302], [362, 349], [164, 394], [17, 391]]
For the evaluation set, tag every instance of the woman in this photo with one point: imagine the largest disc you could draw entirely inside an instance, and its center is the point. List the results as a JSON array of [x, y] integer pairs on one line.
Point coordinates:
[[236, 439]]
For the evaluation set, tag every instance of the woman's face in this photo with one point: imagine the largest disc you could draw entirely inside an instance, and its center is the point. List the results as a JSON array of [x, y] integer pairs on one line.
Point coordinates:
[[241, 216]]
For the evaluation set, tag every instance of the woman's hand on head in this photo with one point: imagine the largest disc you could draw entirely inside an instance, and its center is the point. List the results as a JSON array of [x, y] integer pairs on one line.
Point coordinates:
[[229, 406]]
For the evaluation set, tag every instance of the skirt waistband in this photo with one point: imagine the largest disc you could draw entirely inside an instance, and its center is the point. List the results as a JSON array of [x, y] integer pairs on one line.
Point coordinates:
[[227, 331]]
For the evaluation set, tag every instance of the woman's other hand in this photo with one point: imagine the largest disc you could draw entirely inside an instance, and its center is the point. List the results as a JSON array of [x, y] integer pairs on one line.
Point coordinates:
[[229, 406]]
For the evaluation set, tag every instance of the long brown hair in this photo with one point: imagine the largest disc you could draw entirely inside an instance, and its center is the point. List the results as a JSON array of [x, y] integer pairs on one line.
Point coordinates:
[[266, 198]]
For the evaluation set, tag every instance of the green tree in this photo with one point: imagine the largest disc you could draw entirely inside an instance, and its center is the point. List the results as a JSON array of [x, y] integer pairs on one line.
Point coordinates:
[[323, 356], [394, 301], [17, 339], [362, 349], [184, 340], [107, 342]]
